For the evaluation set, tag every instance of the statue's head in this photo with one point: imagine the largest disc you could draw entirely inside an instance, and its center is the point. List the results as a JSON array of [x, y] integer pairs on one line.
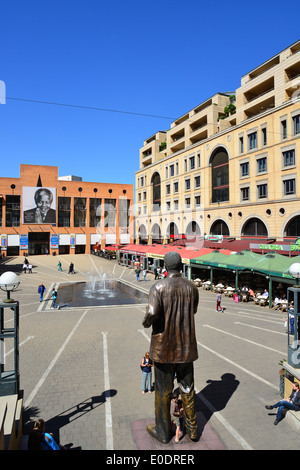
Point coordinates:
[[172, 261]]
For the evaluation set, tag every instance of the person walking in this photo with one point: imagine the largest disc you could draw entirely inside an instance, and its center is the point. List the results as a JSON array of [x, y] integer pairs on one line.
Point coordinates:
[[137, 273], [146, 365], [291, 403], [41, 291], [59, 266], [172, 304], [219, 299], [54, 297], [144, 274], [155, 273]]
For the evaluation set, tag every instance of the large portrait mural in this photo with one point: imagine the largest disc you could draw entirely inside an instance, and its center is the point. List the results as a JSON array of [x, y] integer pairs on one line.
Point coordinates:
[[39, 205]]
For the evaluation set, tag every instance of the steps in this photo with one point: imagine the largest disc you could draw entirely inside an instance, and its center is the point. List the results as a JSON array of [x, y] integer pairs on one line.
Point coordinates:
[[11, 408]]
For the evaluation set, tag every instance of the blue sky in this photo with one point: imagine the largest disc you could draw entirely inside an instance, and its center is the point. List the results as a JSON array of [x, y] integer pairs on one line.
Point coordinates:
[[158, 58]]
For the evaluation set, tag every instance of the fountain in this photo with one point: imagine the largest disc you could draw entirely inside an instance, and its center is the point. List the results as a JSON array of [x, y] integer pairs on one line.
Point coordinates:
[[99, 289]]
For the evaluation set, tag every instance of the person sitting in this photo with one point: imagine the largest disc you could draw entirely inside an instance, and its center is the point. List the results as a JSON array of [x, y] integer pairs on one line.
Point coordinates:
[[40, 440], [291, 403], [265, 293]]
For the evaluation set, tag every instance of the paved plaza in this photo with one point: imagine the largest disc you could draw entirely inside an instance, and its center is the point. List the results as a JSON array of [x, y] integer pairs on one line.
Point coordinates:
[[79, 366]]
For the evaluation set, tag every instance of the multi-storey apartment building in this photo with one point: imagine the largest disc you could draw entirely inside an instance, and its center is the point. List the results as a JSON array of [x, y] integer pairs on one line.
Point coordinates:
[[231, 165], [41, 213]]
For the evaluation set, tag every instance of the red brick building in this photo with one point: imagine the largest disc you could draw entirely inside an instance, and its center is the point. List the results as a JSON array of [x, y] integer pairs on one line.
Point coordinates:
[[41, 213]]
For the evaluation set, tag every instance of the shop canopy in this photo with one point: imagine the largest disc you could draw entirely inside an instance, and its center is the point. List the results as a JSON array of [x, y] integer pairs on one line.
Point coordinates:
[[243, 260], [272, 264], [159, 251]]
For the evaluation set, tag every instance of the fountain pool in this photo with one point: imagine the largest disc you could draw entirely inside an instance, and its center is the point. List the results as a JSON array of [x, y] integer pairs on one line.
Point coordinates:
[[99, 292]]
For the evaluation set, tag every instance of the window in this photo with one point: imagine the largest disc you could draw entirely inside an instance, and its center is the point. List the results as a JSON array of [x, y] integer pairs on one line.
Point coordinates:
[[185, 164], [95, 212], [197, 201], [289, 187], [176, 205], [168, 206], [288, 158], [156, 196], [168, 189], [110, 212], [124, 212], [166, 172], [64, 211], [192, 163], [145, 195], [142, 181], [283, 129], [145, 210], [13, 210], [262, 191], [139, 197], [198, 160], [296, 124], [244, 169], [261, 164], [220, 175], [187, 202], [79, 212], [187, 185], [171, 170], [252, 141], [176, 187], [245, 195], [264, 136], [197, 181], [241, 144]]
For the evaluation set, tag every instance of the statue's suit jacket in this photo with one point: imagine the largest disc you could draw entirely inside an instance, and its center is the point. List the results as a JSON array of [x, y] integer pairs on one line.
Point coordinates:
[[171, 308]]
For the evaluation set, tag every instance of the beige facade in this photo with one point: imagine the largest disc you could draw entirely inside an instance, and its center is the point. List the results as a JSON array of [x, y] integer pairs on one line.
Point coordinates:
[[231, 165]]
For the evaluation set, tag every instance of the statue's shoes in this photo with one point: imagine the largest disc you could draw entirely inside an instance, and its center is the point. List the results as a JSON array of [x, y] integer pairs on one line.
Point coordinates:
[[152, 431]]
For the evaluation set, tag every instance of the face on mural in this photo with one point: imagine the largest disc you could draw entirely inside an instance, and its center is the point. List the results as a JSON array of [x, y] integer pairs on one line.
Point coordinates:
[[44, 203]]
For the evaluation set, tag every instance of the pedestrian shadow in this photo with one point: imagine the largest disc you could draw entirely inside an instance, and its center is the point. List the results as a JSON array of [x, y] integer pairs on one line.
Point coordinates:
[[214, 397], [53, 425]]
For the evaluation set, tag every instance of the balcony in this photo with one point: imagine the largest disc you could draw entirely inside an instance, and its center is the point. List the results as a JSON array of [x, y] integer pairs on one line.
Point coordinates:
[[259, 90], [293, 71], [260, 107]]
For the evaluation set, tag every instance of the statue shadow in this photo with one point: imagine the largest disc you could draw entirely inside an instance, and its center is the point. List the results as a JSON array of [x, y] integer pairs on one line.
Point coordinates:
[[53, 425], [214, 397]]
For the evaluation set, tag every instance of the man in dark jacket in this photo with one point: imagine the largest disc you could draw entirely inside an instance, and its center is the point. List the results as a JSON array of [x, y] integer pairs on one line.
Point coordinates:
[[171, 307], [291, 403]]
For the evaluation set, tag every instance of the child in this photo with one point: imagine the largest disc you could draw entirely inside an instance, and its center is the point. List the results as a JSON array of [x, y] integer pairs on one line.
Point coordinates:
[[176, 415]]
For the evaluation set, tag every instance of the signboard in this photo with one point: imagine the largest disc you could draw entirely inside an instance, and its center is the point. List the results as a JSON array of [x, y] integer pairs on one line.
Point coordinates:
[[54, 241], [276, 247], [214, 238], [4, 242], [72, 241], [39, 205], [24, 242]]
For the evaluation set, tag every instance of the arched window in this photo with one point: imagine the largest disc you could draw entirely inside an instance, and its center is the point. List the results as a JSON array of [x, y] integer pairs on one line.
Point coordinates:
[[142, 233], [192, 229], [155, 233], [220, 175], [292, 228], [156, 197], [254, 227], [172, 230], [219, 227]]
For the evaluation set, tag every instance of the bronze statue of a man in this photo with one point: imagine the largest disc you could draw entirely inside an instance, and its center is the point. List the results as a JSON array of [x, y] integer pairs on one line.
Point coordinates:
[[171, 307]]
